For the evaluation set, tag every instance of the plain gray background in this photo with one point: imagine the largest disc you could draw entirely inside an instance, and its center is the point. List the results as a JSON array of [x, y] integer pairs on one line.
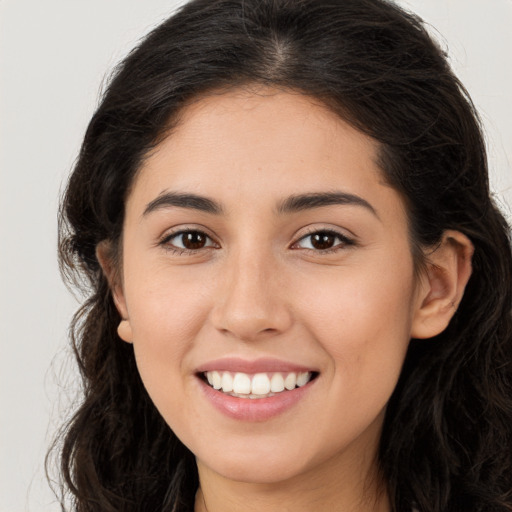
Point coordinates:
[[54, 55]]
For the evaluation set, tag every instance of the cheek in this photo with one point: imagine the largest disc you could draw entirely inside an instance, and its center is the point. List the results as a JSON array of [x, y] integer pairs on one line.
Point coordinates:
[[363, 321], [364, 327], [166, 313], [165, 305]]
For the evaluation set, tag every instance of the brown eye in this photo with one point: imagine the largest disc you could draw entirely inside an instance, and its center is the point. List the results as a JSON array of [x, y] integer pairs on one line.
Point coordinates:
[[323, 241], [189, 241], [193, 240]]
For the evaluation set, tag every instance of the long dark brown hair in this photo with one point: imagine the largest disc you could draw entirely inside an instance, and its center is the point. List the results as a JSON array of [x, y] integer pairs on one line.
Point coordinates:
[[447, 440]]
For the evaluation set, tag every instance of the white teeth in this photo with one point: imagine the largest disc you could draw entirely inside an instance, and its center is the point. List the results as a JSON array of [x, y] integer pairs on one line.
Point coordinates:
[[259, 385], [277, 383], [303, 378], [227, 382], [216, 380], [291, 381], [242, 383]]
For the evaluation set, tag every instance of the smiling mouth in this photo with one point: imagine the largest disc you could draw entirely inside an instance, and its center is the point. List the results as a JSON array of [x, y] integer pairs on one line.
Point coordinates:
[[258, 385]]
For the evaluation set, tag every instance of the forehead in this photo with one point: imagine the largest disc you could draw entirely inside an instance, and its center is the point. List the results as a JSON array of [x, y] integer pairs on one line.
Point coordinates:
[[253, 148]]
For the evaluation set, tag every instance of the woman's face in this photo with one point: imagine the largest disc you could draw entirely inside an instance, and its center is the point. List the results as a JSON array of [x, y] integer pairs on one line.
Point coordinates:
[[262, 249]]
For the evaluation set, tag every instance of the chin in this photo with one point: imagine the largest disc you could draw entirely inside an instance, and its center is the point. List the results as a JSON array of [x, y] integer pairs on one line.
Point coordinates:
[[259, 465], [261, 471]]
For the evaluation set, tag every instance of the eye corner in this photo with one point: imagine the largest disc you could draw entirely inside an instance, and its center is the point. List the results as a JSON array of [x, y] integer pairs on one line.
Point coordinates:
[[188, 241], [323, 241]]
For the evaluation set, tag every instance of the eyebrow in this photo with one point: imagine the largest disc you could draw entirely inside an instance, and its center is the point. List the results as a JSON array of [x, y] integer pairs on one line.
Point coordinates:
[[291, 204], [301, 202], [182, 200]]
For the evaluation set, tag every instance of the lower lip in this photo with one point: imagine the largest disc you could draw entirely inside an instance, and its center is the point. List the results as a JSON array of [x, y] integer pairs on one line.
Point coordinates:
[[257, 409]]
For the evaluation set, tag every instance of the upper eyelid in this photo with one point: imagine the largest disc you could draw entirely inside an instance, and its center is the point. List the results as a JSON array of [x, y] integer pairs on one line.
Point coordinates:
[[312, 229], [164, 242], [299, 235], [343, 238], [345, 241], [176, 230], [170, 236]]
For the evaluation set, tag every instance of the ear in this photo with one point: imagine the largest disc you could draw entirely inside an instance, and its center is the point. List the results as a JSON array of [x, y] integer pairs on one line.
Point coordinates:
[[448, 270], [110, 269]]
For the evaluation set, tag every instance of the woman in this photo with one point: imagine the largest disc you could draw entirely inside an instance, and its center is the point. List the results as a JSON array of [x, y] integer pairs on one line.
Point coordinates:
[[300, 288]]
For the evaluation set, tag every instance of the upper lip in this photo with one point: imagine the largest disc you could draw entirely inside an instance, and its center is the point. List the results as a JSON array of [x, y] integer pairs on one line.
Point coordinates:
[[261, 365]]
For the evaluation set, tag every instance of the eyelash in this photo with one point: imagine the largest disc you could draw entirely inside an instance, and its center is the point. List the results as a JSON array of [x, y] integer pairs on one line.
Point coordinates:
[[166, 242], [343, 243]]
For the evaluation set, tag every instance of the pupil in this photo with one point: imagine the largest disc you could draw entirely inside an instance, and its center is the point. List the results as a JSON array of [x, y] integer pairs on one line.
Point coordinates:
[[322, 241], [193, 240]]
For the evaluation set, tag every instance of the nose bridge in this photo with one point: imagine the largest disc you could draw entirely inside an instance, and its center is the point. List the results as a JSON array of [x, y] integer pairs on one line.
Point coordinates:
[[251, 304]]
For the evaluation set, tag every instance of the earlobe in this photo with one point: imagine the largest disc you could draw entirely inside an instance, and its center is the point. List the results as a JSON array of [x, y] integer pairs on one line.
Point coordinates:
[[448, 269], [124, 330], [105, 258]]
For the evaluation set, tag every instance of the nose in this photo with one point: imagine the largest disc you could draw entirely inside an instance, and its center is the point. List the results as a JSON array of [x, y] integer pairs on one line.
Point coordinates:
[[252, 300]]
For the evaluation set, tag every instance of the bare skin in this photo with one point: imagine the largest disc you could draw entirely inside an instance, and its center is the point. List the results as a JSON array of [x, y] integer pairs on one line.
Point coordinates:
[[262, 227]]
